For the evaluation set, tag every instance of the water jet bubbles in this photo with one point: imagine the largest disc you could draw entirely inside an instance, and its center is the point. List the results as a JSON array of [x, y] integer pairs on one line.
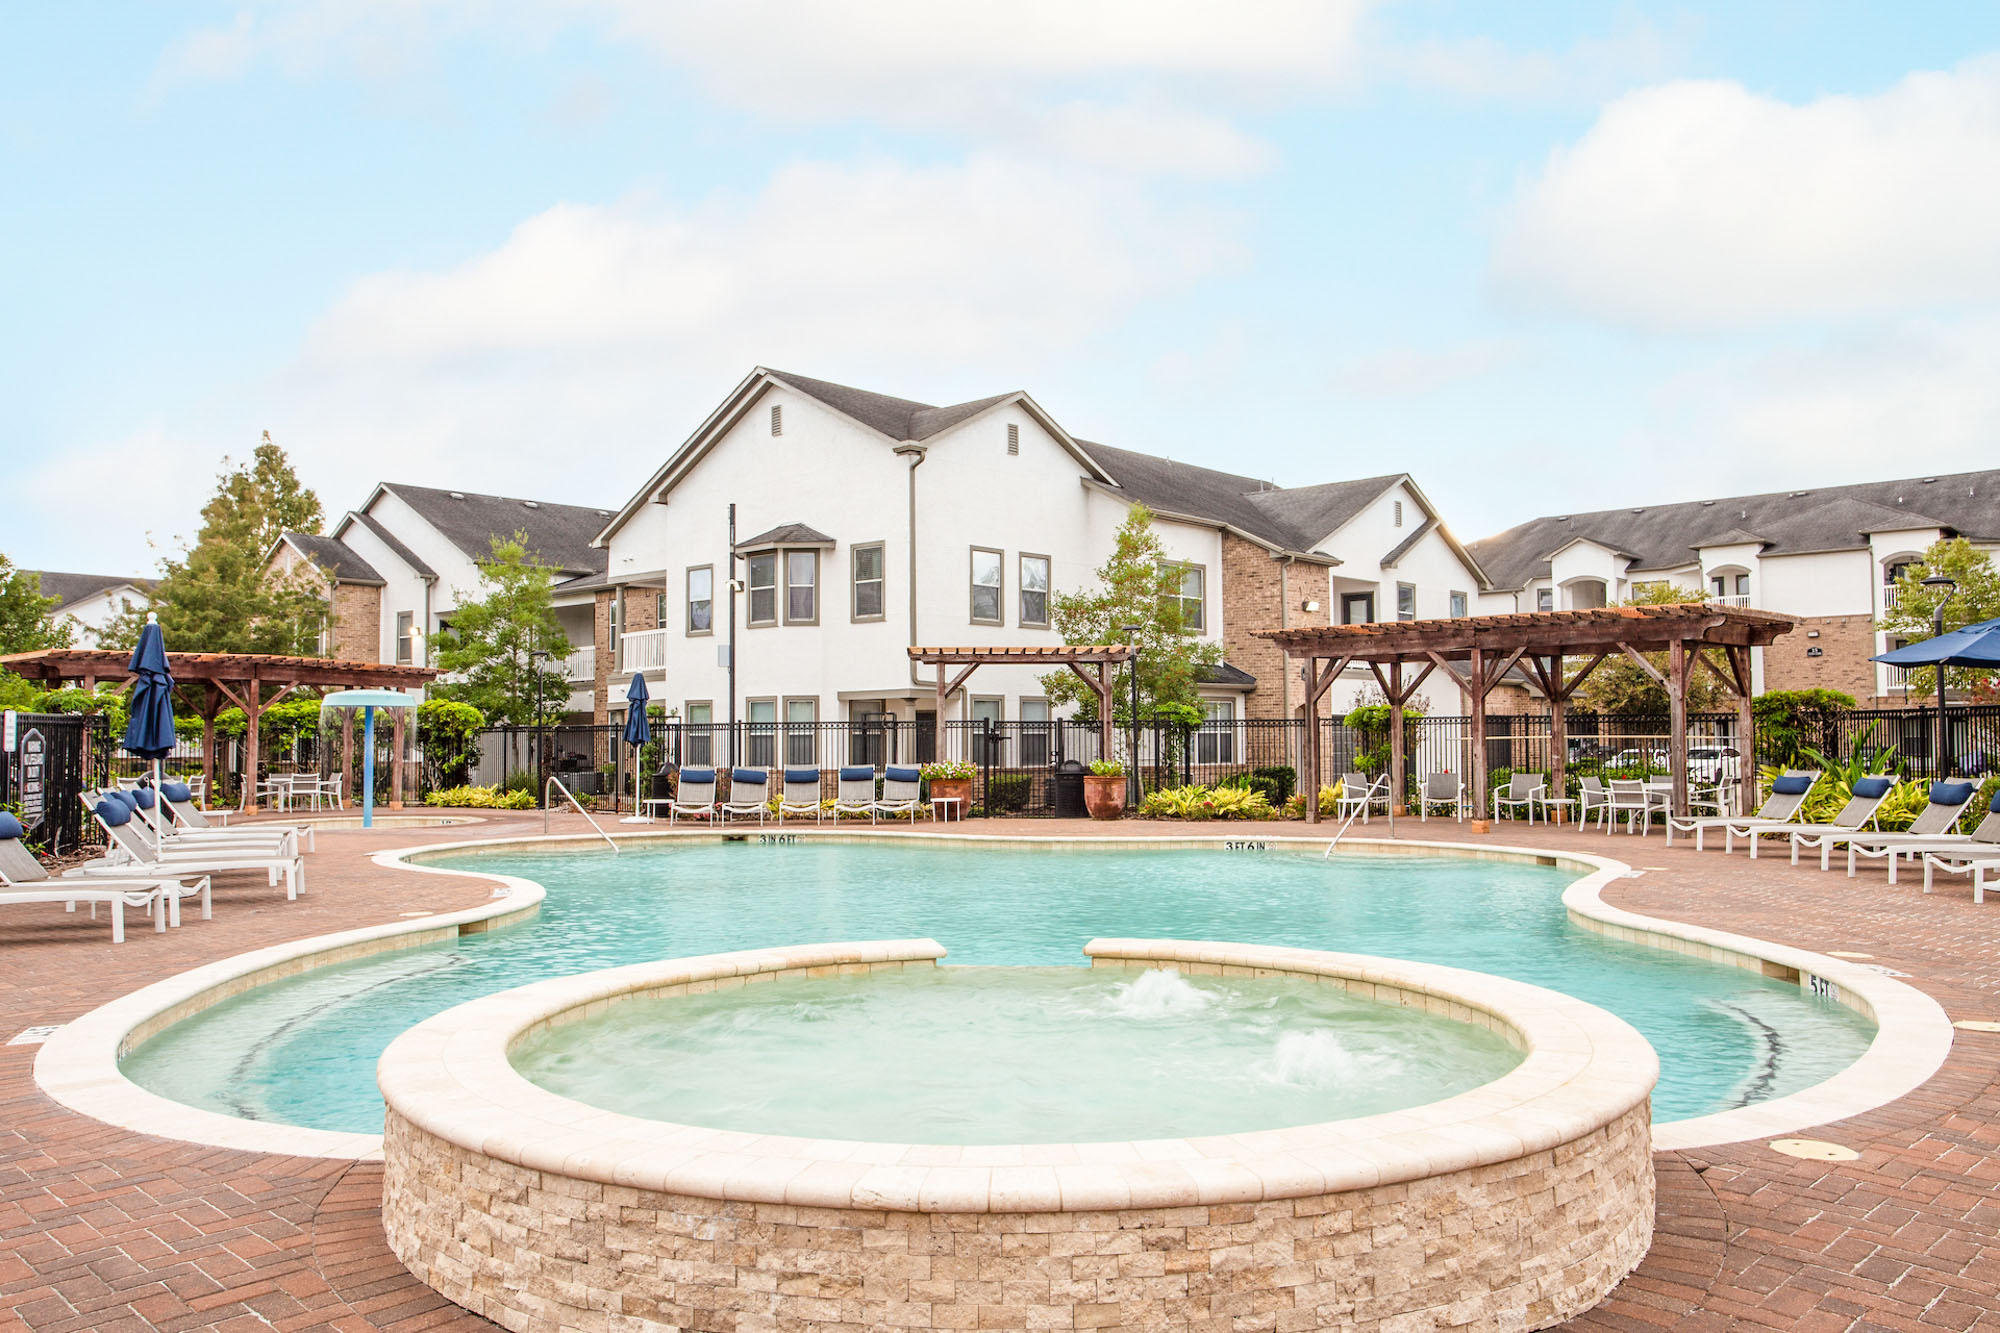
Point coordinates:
[[1159, 992]]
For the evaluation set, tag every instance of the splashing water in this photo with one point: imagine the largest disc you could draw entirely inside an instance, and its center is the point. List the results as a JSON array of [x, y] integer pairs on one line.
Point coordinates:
[[1159, 992], [1316, 1059]]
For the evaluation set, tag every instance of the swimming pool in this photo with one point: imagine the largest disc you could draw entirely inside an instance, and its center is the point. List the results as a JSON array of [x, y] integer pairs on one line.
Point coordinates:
[[302, 1051]]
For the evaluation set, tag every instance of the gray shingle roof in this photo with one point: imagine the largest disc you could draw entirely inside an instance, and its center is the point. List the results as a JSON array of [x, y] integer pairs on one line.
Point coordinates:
[[67, 588], [395, 544], [334, 556], [1223, 673], [898, 418], [1828, 518], [786, 534], [557, 535]]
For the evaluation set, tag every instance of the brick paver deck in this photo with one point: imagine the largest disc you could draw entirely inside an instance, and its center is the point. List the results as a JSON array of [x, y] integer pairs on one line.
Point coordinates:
[[102, 1229]]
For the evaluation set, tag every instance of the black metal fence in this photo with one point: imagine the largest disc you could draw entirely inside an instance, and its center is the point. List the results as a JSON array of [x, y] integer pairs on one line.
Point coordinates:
[[1972, 737], [46, 761]]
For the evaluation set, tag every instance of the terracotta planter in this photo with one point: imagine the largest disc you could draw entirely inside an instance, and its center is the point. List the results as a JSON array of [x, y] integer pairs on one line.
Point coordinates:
[[959, 789], [1104, 795]]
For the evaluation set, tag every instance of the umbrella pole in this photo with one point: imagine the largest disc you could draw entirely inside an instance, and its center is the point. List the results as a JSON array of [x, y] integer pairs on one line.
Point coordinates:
[[368, 767]]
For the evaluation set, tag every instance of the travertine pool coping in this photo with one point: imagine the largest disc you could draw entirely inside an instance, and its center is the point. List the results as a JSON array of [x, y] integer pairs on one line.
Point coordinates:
[[79, 1066], [1582, 1069]]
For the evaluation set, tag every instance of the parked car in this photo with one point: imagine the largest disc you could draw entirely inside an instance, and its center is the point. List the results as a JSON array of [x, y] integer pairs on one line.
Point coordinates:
[[1653, 759], [1713, 763]]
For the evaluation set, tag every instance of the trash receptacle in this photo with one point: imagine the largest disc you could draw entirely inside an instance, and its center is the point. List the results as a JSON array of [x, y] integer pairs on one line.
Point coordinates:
[[1069, 790]]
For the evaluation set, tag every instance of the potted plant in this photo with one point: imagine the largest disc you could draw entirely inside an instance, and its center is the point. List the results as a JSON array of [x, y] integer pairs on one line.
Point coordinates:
[[1104, 789], [951, 780]]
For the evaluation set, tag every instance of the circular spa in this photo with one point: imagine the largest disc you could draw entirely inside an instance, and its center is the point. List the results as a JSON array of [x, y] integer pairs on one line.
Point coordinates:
[[851, 1134]]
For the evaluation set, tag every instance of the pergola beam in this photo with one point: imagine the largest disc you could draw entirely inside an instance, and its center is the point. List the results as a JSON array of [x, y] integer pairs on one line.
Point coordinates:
[[1103, 656]]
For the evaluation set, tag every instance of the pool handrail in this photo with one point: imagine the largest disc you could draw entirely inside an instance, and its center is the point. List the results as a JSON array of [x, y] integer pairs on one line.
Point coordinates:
[[556, 782]]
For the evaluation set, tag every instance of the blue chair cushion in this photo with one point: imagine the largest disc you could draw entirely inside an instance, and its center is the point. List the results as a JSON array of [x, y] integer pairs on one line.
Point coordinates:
[[903, 774], [1870, 788], [122, 797], [698, 775], [1792, 785], [1994, 804], [142, 797], [857, 773], [176, 791], [114, 813], [802, 775], [1950, 793], [756, 777], [10, 827]]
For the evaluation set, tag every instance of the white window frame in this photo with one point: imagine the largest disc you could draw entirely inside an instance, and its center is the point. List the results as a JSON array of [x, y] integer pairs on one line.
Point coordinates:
[[693, 601], [1199, 624], [999, 586], [812, 586], [1045, 591], [751, 588], [881, 550]]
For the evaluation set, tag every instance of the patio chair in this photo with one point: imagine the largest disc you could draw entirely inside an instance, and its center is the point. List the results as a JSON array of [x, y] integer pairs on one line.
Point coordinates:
[[1779, 814], [1591, 797], [132, 856], [1962, 855], [1442, 789], [856, 792], [800, 795], [694, 795], [1629, 798], [902, 791], [1857, 814], [1522, 791], [749, 794], [179, 800], [1934, 823], [25, 881], [155, 822], [1358, 795]]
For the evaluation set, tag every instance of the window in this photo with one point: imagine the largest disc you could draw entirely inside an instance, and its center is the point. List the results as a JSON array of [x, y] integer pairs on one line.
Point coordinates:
[[1545, 599], [1013, 439], [985, 586], [802, 587], [698, 736], [764, 588], [1215, 743], [1034, 590], [1406, 601], [868, 599], [1458, 601], [1892, 574], [615, 619], [802, 732], [1399, 513], [403, 637], [1036, 734], [1189, 597], [777, 419], [1357, 608], [660, 609], [761, 746], [701, 600]]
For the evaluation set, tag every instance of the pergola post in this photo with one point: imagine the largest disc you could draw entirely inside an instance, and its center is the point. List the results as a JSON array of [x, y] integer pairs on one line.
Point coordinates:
[[398, 724], [1398, 764], [1678, 666], [346, 751], [937, 717], [1746, 732], [1477, 663], [253, 708], [1311, 785], [1558, 734]]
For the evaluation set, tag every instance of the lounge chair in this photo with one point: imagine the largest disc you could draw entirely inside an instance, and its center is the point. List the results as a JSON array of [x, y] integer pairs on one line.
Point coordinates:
[[1358, 795], [749, 794], [178, 797], [1948, 801], [26, 881], [1779, 814], [694, 795], [159, 829], [1523, 790], [1954, 853], [902, 791], [1856, 815], [856, 792], [1442, 789], [132, 856], [800, 795]]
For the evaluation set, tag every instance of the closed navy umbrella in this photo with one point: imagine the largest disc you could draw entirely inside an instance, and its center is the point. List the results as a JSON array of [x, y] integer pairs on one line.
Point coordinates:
[[638, 731], [150, 732]]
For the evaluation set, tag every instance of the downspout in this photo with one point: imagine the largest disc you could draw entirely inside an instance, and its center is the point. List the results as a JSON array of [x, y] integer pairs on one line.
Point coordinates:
[[1285, 622], [915, 453]]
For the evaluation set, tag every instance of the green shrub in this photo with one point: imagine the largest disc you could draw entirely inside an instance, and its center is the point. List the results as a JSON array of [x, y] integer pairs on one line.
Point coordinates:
[[1790, 722], [521, 780], [1198, 802], [1329, 798], [1284, 780], [1007, 793], [448, 732], [481, 798], [1107, 768]]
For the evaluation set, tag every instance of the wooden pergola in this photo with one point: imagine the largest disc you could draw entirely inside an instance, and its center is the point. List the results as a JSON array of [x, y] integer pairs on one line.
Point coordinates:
[[250, 681], [1102, 656], [1477, 652]]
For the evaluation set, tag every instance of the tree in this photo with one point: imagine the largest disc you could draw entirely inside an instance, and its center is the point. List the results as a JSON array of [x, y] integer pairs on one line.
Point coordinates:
[[1137, 585], [218, 599], [1619, 686], [1976, 598], [1792, 721], [487, 650], [24, 613]]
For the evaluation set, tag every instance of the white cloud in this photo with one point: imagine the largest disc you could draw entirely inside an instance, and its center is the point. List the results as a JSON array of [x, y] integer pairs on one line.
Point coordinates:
[[1704, 205], [1405, 371], [1591, 68]]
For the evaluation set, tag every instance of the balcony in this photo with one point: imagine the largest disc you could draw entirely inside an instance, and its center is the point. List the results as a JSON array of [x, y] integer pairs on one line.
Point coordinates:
[[581, 664], [644, 651], [1732, 599]]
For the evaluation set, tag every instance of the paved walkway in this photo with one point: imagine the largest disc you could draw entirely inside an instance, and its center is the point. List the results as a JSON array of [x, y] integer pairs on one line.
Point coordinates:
[[102, 1229]]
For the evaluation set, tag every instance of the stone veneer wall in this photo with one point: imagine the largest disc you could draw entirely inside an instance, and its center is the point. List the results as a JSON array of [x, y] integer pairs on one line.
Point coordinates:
[[1547, 1234]]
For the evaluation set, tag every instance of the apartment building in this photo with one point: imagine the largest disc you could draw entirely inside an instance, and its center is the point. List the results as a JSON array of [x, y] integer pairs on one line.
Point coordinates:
[[1829, 555], [865, 523], [86, 603]]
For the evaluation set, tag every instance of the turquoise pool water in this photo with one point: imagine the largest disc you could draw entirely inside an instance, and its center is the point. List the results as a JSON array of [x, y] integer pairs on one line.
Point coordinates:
[[1012, 1055], [303, 1050]]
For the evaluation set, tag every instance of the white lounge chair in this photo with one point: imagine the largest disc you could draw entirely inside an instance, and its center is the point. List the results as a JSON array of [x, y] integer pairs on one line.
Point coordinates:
[[153, 822], [800, 795], [1948, 802], [749, 794], [1442, 789], [1779, 814], [902, 791], [1954, 852], [1358, 795], [856, 793], [1523, 790], [694, 795], [25, 881], [178, 797], [132, 856], [1856, 815]]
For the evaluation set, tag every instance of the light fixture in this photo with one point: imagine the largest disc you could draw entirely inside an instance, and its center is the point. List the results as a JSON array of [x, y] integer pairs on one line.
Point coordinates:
[[1310, 606]]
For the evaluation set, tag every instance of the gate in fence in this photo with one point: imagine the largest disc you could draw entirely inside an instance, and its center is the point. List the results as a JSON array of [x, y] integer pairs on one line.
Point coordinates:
[[46, 760]]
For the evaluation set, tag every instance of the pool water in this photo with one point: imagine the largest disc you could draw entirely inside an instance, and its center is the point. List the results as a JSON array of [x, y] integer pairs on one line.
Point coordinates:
[[303, 1050], [1012, 1055]]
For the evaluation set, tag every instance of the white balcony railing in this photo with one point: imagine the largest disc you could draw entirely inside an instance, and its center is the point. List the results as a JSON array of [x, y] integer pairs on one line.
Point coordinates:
[[645, 650], [581, 664], [1732, 599]]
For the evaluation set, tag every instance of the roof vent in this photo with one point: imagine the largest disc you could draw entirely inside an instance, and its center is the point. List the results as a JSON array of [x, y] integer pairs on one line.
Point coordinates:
[[1638, 511], [1562, 518], [1706, 503], [456, 495], [1742, 513], [1928, 481], [1013, 438], [532, 504]]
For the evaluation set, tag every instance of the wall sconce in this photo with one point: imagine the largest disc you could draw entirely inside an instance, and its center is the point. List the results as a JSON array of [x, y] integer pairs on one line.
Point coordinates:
[[1309, 606], [1812, 634]]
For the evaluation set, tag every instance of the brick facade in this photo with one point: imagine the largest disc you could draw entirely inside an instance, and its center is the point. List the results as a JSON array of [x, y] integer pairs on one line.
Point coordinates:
[[607, 657], [357, 622], [1845, 644], [1255, 589]]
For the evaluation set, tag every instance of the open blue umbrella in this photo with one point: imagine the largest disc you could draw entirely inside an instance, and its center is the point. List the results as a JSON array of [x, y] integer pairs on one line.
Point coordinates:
[[1967, 646], [150, 731]]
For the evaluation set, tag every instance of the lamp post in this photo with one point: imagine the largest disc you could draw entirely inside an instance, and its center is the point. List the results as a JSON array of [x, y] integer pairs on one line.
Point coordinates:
[[1950, 586], [1130, 633], [536, 657]]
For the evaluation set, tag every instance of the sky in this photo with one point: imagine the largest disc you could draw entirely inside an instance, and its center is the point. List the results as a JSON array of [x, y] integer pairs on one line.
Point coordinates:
[[1546, 258]]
